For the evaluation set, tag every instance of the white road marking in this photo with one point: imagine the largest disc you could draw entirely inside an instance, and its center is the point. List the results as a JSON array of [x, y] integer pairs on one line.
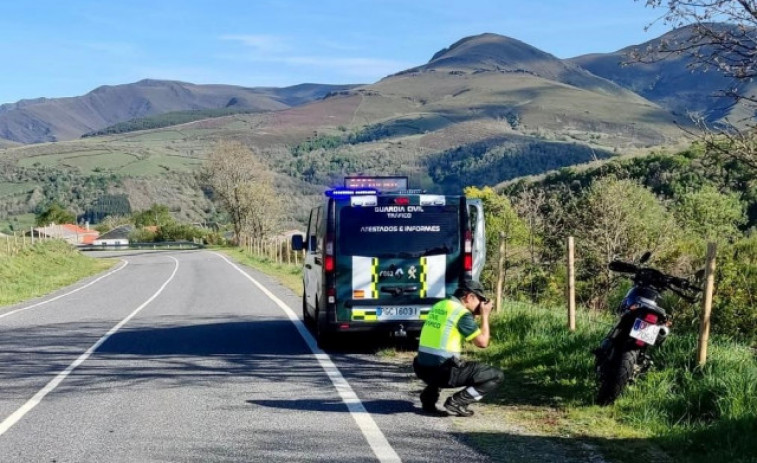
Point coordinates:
[[372, 433], [125, 263], [37, 398]]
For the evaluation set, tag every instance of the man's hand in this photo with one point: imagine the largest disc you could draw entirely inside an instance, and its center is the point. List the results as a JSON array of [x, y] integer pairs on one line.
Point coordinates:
[[484, 308]]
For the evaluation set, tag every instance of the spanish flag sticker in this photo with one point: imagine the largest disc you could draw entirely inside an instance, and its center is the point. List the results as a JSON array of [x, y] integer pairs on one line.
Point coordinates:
[[358, 294]]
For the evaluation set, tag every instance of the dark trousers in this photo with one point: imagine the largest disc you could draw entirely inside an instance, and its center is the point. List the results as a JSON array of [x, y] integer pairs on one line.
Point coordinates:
[[456, 372]]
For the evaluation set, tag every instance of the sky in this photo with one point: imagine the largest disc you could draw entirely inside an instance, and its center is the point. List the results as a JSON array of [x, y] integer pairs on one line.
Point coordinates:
[[54, 48]]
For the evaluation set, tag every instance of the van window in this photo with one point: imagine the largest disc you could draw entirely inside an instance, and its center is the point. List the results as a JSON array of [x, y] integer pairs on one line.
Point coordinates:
[[320, 227], [312, 237], [371, 231]]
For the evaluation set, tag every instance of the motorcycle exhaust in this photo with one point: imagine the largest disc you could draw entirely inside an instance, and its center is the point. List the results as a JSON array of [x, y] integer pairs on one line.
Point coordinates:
[[662, 335]]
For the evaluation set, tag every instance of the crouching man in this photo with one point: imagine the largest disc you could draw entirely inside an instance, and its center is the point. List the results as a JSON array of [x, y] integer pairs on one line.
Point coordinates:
[[438, 362]]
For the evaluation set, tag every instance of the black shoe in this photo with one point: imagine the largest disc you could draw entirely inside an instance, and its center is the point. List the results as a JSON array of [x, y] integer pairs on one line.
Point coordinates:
[[459, 409], [430, 409]]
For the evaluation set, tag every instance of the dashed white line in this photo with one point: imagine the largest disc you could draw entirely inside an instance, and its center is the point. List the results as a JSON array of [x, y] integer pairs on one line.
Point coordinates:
[[125, 263], [37, 398], [372, 433]]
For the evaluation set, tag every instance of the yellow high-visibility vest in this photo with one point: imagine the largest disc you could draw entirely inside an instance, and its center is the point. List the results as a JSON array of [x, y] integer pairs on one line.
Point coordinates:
[[439, 335]]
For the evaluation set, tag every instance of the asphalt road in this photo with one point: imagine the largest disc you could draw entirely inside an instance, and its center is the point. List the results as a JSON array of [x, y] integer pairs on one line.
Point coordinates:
[[188, 357]]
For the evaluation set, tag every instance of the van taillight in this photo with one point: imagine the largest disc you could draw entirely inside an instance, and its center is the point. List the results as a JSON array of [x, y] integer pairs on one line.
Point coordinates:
[[468, 252], [329, 264], [468, 263], [402, 201]]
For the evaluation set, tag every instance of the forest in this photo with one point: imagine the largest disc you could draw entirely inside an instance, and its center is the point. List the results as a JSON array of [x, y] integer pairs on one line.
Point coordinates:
[[671, 205]]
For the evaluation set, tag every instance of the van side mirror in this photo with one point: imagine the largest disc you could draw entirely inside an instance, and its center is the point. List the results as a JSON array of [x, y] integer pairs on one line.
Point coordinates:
[[298, 242]]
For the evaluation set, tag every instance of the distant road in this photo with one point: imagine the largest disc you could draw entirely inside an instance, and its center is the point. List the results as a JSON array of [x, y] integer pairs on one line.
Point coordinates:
[[188, 357]]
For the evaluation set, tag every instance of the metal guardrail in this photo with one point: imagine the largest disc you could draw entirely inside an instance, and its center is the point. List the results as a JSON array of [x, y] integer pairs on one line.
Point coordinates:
[[158, 245]]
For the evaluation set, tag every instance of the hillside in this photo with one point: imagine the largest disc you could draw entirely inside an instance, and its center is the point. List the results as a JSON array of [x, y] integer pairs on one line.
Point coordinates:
[[57, 119], [487, 109], [671, 82]]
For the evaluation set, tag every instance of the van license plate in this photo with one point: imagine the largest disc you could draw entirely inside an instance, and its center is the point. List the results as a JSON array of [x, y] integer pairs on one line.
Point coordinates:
[[645, 331], [398, 313]]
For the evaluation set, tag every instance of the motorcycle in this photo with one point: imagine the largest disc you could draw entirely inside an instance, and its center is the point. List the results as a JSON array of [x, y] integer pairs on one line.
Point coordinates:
[[623, 354]]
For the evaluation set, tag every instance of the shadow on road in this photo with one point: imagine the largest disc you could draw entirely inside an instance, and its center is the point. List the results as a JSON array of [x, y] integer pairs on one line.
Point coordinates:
[[195, 352], [380, 407]]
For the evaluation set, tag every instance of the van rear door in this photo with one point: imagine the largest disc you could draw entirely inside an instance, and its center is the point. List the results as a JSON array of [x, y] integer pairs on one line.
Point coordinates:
[[397, 255], [478, 229]]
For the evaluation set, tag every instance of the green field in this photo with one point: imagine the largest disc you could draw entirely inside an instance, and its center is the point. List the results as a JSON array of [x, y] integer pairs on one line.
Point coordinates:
[[117, 162], [18, 222]]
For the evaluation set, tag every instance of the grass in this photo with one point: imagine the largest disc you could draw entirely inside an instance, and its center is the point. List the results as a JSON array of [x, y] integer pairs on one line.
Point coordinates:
[[678, 411], [289, 275], [34, 271], [18, 222]]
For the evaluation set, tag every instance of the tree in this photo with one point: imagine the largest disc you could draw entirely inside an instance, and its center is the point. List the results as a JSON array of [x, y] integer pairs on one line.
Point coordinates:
[[709, 214], [158, 215], [55, 213], [618, 219], [721, 36], [500, 217], [244, 187]]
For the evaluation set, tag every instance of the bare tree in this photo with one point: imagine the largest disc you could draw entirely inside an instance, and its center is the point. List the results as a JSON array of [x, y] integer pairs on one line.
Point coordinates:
[[720, 36], [243, 187]]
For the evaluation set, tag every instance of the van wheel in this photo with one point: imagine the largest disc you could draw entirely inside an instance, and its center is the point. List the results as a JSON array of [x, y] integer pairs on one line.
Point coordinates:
[[324, 338], [306, 318]]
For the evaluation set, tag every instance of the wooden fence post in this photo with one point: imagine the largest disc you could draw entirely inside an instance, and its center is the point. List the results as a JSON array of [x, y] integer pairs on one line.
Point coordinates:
[[501, 276], [571, 285], [709, 287]]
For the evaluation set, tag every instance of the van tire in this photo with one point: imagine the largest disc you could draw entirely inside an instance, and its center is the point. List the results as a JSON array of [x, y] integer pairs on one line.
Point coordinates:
[[306, 318], [324, 338]]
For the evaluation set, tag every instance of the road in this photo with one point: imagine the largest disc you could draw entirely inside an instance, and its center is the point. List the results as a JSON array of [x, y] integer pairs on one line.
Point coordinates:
[[188, 357]]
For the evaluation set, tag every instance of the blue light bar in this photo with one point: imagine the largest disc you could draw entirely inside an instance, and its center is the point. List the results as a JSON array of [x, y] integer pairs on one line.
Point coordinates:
[[348, 192]]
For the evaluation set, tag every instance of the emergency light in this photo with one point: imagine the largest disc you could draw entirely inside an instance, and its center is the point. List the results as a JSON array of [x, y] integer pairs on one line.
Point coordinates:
[[349, 192]]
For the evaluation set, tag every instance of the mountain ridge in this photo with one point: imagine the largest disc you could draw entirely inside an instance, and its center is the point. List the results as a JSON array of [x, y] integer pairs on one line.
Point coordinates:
[[57, 119]]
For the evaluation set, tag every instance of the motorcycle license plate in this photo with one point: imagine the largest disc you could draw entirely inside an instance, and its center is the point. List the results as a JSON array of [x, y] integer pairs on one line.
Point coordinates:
[[645, 331]]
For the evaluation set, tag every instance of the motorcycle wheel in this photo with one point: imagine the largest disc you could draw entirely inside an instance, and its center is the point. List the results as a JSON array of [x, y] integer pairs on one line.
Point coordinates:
[[615, 374]]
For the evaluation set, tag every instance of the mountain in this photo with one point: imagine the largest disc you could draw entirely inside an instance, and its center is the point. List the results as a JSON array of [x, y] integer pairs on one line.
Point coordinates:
[[487, 109], [492, 52], [672, 82], [486, 87], [56, 119]]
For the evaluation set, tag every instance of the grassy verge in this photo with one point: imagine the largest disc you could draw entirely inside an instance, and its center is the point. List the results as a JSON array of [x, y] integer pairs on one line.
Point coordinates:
[[692, 414], [289, 275], [40, 269]]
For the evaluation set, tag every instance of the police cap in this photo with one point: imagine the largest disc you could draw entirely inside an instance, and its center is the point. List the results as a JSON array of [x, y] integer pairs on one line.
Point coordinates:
[[471, 286]]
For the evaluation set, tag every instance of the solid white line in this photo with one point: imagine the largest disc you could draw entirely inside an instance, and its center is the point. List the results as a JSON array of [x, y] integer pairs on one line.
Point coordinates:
[[34, 401], [125, 263], [376, 439]]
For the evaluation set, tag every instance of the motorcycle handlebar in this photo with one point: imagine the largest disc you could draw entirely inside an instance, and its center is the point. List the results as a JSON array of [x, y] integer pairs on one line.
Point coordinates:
[[684, 284], [624, 267], [666, 280]]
